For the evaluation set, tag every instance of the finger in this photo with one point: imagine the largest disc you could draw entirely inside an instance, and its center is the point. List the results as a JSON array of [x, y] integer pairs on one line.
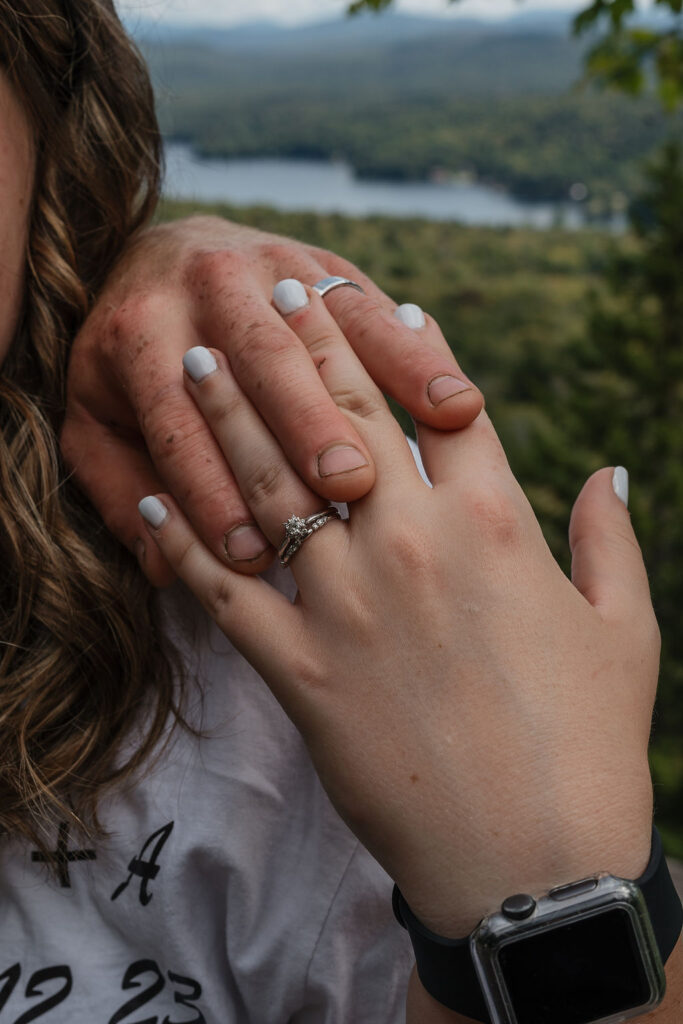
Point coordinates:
[[275, 372], [149, 392], [464, 456], [195, 470], [115, 474], [272, 489], [260, 621], [408, 359], [337, 266], [607, 563], [345, 380]]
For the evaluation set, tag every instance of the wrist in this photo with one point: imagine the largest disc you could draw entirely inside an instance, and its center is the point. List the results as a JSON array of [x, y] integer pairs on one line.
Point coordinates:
[[597, 948], [534, 863]]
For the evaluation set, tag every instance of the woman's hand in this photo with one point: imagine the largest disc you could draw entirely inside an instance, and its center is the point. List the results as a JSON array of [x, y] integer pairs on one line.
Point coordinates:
[[480, 721]]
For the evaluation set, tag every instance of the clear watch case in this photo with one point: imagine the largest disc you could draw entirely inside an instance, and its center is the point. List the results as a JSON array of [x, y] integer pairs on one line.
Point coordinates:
[[584, 953]]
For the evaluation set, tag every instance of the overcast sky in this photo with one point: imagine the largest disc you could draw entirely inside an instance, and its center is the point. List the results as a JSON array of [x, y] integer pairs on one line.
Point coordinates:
[[231, 12]]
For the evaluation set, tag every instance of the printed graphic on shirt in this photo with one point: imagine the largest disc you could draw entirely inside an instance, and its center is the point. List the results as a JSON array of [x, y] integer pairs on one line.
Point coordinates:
[[54, 985], [62, 857], [146, 870], [35, 987], [154, 988]]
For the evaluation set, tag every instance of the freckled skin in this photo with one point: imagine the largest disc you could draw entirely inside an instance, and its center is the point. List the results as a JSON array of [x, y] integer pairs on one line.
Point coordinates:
[[17, 168]]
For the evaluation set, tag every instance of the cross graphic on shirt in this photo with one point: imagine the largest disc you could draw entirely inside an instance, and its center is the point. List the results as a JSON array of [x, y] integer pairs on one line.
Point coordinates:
[[62, 856]]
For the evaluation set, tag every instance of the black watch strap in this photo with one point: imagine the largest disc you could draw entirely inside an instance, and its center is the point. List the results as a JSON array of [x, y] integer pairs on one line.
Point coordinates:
[[445, 966]]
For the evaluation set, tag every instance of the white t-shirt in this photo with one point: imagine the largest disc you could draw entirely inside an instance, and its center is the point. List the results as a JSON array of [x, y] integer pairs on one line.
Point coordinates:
[[229, 891]]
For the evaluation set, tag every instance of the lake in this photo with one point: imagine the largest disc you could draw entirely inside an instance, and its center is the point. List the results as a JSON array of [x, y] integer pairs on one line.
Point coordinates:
[[323, 187]]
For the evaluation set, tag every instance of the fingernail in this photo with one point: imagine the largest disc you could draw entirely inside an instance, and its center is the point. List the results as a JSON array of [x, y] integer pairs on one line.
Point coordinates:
[[289, 295], [445, 387], [340, 459], [199, 363], [245, 543], [140, 551], [153, 512], [411, 315], [620, 484]]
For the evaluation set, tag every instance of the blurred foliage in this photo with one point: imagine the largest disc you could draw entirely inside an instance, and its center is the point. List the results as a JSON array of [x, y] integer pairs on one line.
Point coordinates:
[[625, 57], [617, 393], [577, 373]]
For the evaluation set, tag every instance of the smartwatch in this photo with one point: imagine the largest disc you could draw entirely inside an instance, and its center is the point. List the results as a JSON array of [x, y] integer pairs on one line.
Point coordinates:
[[590, 952]]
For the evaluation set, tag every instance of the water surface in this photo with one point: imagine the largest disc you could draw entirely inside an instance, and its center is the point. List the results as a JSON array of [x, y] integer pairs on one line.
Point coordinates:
[[321, 187]]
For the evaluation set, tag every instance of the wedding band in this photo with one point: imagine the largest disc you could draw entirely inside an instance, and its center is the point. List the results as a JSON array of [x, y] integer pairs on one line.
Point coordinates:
[[298, 530], [328, 284]]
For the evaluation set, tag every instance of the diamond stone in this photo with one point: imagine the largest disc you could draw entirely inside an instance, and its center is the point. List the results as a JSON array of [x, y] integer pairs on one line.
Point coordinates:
[[296, 529]]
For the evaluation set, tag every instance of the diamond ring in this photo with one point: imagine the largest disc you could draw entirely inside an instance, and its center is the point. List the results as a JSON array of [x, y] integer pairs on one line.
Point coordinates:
[[297, 530]]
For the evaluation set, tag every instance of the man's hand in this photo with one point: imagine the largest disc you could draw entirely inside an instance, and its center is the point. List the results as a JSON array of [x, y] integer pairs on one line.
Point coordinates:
[[131, 428]]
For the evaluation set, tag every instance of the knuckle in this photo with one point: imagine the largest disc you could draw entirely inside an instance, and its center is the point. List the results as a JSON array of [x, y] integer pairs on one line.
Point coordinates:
[[187, 554], [406, 547], [259, 339], [625, 535], [357, 314], [222, 406], [173, 432], [213, 265], [363, 403], [213, 270], [133, 317], [321, 343], [262, 483], [165, 416], [308, 670], [281, 253], [219, 596], [494, 515]]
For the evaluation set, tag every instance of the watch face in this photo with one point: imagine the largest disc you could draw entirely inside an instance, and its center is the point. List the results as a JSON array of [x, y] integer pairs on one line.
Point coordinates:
[[577, 973]]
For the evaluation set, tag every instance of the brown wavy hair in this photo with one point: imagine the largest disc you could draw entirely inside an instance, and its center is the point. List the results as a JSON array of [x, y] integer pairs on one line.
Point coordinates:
[[81, 654]]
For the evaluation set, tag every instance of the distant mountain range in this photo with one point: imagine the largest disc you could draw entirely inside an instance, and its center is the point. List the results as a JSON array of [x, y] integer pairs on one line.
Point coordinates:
[[360, 31], [389, 57], [339, 33]]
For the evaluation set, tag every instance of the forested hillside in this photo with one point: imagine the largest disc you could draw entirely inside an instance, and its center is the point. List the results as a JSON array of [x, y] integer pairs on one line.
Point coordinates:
[[497, 104]]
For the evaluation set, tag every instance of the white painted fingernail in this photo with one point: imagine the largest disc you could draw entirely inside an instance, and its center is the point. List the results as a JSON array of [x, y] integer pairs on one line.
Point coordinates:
[[199, 363], [620, 484], [153, 512], [411, 315], [289, 295]]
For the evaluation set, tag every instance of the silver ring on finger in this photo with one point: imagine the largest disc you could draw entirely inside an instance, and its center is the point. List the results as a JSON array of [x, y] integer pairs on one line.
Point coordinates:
[[298, 530], [328, 284]]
